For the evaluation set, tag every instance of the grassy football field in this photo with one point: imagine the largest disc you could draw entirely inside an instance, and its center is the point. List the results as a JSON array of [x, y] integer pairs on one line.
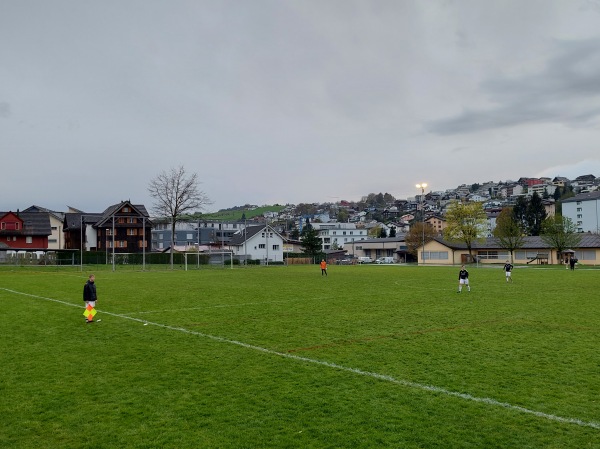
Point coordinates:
[[282, 357]]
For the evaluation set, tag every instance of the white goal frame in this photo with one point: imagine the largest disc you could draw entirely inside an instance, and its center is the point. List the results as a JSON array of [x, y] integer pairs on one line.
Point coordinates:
[[197, 255]]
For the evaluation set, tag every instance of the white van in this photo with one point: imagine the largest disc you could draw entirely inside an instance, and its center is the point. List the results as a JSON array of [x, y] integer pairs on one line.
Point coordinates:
[[365, 260], [385, 260]]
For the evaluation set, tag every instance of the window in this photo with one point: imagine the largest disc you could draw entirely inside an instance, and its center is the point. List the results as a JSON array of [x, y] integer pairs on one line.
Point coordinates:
[[275, 247], [29, 240], [189, 236], [261, 246], [435, 255], [131, 220], [586, 254], [126, 209], [579, 215], [493, 254], [122, 244], [525, 255]]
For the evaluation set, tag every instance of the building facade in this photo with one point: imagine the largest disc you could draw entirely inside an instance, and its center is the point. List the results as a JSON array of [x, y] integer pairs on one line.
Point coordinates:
[[584, 211], [260, 242], [27, 231], [335, 234]]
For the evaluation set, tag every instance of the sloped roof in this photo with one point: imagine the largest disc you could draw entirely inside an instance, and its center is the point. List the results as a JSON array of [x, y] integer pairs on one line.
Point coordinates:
[[246, 234], [110, 210], [73, 220], [34, 223], [531, 242], [584, 197], [399, 238]]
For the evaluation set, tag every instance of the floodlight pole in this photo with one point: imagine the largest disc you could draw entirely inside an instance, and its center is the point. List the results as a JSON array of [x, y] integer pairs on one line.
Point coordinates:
[[422, 187], [81, 243], [143, 243], [113, 242]]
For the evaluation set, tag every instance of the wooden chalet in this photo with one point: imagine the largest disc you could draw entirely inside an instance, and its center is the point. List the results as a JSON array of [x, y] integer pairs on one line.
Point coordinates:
[[126, 227]]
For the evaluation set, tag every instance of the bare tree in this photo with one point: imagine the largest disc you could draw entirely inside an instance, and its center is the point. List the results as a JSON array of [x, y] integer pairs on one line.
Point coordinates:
[[175, 194]]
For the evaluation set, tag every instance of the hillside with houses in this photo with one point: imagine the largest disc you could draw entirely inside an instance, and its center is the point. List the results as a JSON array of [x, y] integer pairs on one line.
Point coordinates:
[[373, 227]]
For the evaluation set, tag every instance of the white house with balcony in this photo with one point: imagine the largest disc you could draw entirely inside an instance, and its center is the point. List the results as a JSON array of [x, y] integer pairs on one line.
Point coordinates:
[[336, 234]]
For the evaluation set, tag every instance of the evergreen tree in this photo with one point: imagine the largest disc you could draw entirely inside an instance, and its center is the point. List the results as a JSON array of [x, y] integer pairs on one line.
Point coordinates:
[[392, 231], [519, 212], [556, 194], [311, 243], [535, 215], [382, 233]]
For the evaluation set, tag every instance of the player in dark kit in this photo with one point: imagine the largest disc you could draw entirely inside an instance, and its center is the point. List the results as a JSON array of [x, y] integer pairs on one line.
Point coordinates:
[[463, 279], [508, 270]]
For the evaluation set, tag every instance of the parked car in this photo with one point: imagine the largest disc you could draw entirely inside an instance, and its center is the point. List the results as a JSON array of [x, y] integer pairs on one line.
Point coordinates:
[[365, 260], [385, 260]]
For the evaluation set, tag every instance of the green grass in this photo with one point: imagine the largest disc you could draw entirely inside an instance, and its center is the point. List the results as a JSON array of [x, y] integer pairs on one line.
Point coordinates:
[[281, 357], [236, 215]]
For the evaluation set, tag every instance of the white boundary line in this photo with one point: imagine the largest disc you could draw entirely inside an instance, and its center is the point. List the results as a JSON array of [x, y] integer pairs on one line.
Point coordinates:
[[383, 377]]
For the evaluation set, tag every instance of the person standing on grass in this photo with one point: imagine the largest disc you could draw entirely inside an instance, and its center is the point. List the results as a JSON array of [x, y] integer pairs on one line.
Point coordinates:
[[323, 267], [508, 270], [572, 262], [463, 279], [89, 294]]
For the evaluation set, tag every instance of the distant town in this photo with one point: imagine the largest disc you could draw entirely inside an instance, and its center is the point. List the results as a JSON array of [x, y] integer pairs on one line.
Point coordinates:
[[372, 228]]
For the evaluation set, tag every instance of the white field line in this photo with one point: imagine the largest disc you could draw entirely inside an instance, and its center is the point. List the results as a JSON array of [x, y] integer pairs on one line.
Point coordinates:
[[383, 377], [216, 306]]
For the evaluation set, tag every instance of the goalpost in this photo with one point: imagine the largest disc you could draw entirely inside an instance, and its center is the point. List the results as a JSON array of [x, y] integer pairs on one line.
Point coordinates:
[[214, 258]]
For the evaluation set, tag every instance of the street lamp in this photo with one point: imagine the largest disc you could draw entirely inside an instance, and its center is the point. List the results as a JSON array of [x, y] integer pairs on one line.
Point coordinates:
[[422, 186]]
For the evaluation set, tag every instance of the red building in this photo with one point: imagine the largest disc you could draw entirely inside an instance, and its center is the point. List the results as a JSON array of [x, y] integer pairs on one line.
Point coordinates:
[[25, 230]]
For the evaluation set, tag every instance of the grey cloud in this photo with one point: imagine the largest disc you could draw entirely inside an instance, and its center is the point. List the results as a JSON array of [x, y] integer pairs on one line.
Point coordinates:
[[566, 91], [4, 109]]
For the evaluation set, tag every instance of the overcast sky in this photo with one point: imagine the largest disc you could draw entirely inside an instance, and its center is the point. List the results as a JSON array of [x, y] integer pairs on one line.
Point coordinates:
[[292, 101]]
